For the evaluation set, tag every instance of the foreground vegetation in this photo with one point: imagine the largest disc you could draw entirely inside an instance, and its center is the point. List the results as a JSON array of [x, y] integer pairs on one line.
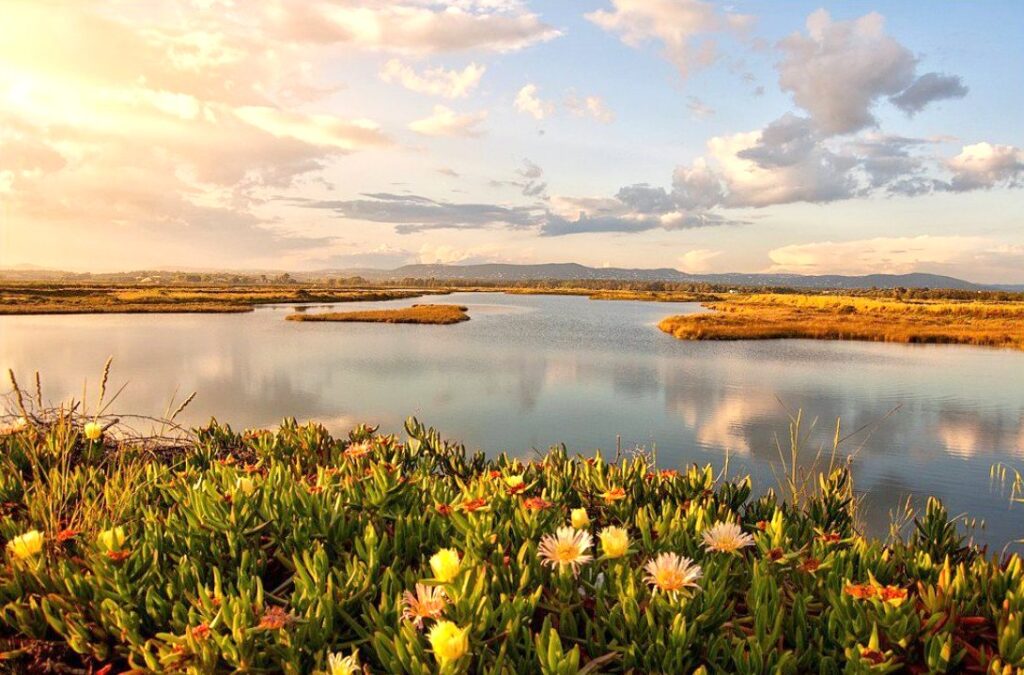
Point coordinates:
[[843, 317], [294, 551], [420, 314], [148, 299]]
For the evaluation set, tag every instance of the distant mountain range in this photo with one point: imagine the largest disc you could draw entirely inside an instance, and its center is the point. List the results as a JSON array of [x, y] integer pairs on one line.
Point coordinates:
[[570, 271], [500, 272]]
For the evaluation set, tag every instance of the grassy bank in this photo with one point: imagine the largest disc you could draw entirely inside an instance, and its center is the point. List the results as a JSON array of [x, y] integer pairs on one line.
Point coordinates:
[[419, 314], [291, 550], [833, 317], [84, 299], [620, 294]]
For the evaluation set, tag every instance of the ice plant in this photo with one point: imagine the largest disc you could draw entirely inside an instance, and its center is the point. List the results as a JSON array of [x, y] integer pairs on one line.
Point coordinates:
[[726, 537], [26, 546], [429, 602], [245, 485], [567, 548], [515, 484], [614, 542], [537, 504], [579, 519], [93, 431], [445, 564], [112, 539], [613, 495], [357, 450], [337, 664], [449, 642], [671, 573]]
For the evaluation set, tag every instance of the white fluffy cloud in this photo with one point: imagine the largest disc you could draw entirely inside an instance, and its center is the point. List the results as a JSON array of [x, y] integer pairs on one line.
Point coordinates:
[[589, 106], [681, 27], [956, 255], [984, 165], [529, 102], [698, 260], [444, 121], [434, 81], [839, 70]]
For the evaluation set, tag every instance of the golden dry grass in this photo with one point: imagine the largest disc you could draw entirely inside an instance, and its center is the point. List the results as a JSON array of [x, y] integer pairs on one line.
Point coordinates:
[[106, 299], [829, 317], [420, 314]]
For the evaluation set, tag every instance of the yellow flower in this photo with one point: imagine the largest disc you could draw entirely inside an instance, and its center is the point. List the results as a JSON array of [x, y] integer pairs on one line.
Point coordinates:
[[614, 542], [566, 548], [246, 485], [726, 538], [579, 518], [428, 603], [448, 641], [93, 431], [26, 546], [112, 539], [445, 564], [672, 573], [343, 665], [514, 480]]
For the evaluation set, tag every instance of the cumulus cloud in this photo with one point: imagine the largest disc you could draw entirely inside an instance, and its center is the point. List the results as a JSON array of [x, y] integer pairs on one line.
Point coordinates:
[[956, 255], [410, 27], [528, 102], [839, 69], [698, 260], [928, 88], [434, 81], [444, 121], [589, 106], [680, 27], [984, 165]]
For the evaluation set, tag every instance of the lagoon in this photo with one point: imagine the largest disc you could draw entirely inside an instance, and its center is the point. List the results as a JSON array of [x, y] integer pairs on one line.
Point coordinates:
[[528, 371]]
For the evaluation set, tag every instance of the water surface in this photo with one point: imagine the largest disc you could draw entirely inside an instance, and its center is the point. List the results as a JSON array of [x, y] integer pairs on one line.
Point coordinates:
[[530, 371]]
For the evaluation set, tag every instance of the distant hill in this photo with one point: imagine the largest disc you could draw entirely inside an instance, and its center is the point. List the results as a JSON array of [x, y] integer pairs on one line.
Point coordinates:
[[571, 271], [500, 272]]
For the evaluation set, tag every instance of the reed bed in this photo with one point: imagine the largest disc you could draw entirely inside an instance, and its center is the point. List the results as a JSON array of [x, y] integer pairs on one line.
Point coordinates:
[[120, 299], [417, 314], [830, 317], [291, 550]]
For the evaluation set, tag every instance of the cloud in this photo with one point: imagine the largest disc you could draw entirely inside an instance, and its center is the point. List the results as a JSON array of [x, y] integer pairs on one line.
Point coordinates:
[[529, 103], [698, 261], [319, 130], [676, 25], [926, 89], [636, 208], [446, 122], [698, 108], [532, 185], [839, 69], [589, 106], [434, 81], [413, 213], [955, 255], [984, 166], [411, 27]]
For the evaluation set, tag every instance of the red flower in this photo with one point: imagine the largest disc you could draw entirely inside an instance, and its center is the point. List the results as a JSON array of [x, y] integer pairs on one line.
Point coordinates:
[[537, 503], [66, 535], [201, 632], [471, 505], [118, 556], [275, 618], [444, 509], [810, 565]]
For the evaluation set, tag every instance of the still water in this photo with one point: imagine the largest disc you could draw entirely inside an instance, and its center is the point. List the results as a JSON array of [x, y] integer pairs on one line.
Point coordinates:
[[530, 371]]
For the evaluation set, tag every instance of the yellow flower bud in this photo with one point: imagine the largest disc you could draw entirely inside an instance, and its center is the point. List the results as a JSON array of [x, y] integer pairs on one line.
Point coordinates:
[[614, 542], [445, 564], [579, 518], [26, 546], [448, 641], [93, 431], [112, 539], [246, 485], [514, 481]]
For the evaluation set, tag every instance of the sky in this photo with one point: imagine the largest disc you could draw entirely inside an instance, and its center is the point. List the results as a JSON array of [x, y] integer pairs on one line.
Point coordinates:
[[807, 137]]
